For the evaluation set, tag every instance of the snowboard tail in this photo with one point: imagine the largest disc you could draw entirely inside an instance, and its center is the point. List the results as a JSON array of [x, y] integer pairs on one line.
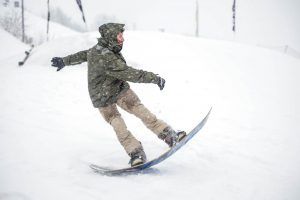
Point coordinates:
[[190, 135]]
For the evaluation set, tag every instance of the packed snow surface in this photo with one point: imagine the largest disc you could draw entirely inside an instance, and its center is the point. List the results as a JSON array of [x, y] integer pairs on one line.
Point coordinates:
[[249, 148]]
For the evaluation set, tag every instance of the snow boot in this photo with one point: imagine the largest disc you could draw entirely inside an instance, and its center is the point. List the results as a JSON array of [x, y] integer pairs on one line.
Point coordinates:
[[171, 137], [138, 157]]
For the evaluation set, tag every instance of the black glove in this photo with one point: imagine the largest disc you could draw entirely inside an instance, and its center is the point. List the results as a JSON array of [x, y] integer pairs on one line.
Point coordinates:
[[161, 83], [58, 62]]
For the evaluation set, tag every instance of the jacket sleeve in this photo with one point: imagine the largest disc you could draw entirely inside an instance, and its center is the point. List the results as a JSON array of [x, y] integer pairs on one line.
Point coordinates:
[[76, 58], [118, 69]]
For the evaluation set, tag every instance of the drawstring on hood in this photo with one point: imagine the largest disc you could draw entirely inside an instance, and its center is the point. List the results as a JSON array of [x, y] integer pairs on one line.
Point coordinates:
[[109, 34]]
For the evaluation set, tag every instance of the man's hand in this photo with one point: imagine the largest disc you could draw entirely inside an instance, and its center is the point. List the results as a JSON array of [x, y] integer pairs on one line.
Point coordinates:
[[161, 83], [58, 62]]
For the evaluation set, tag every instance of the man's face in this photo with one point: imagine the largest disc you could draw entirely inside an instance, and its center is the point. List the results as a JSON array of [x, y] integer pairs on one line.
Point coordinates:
[[120, 38]]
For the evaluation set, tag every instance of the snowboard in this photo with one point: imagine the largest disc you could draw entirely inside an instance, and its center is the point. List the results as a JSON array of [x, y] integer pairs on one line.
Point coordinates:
[[27, 54], [142, 167]]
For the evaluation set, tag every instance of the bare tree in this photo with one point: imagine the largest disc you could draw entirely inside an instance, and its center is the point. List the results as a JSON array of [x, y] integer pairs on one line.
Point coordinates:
[[11, 21]]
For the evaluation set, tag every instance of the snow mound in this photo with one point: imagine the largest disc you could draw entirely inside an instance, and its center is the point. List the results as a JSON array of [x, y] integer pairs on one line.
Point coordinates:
[[10, 45]]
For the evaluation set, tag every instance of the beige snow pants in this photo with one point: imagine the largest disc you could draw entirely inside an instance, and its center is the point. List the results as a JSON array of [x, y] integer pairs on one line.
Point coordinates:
[[131, 103]]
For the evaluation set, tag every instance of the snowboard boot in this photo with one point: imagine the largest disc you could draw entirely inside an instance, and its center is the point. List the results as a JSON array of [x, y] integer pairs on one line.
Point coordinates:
[[138, 157], [171, 137]]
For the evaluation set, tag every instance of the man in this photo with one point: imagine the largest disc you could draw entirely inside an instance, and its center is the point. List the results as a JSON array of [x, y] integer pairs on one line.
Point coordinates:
[[108, 74]]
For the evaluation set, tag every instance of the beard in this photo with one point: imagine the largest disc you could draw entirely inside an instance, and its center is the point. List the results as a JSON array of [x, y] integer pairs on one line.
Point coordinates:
[[117, 48]]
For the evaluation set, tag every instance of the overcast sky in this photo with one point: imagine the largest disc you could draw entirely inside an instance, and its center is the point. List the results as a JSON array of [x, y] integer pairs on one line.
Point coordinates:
[[273, 22]]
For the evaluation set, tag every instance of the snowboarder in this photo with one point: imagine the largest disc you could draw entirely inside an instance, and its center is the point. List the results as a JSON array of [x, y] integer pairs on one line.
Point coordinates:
[[108, 74]]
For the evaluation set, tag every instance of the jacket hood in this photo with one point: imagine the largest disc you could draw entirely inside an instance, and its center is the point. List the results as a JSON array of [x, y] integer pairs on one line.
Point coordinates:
[[110, 30], [109, 34]]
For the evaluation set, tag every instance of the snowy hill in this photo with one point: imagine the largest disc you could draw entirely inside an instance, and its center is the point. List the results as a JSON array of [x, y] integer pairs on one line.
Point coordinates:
[[50, 133], [270, 23], [13, 48], [36, 27]]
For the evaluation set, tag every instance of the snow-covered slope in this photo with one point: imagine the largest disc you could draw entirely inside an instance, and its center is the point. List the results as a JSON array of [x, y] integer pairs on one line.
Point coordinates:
[[272, 23], [36, 27], [50, 133], [10, 46]]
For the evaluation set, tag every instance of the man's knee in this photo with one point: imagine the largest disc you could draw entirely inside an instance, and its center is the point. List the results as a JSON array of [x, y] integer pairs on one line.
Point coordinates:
[[129, 101], [109, 113]]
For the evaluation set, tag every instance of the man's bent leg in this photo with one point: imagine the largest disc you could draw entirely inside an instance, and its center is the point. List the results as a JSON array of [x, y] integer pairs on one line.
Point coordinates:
[[113, 117], [130, 102]]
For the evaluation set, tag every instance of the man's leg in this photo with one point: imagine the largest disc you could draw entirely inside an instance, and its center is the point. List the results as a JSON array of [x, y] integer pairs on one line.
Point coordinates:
[[130, 102], [113, 117]]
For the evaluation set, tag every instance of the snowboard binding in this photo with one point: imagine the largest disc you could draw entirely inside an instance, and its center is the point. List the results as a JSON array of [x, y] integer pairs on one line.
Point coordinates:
[[137, 157], [171, 137]]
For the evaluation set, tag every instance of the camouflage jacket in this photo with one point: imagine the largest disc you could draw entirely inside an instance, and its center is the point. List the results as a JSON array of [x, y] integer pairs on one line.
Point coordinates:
[[108, 73]]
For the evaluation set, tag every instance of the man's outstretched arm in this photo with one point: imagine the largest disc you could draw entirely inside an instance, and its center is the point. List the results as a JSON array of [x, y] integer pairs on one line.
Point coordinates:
[[120, 70], [73, 59]]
